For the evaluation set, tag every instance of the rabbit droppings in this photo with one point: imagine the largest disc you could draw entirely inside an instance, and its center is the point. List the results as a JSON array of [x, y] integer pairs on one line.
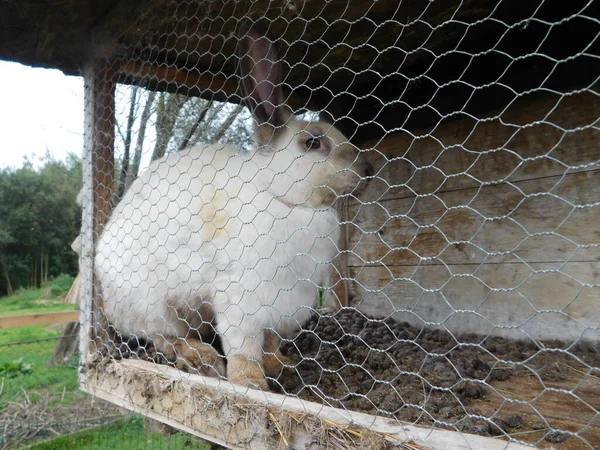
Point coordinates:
[[215, 236]]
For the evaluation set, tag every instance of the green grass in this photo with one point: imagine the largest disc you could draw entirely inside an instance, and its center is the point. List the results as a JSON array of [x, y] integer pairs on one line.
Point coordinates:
[[41, 379], [128, 434], [11, 335], [48, 298]]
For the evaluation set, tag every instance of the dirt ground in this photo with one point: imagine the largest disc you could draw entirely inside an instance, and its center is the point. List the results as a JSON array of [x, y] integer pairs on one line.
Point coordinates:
[[548, 394], [545, 393]]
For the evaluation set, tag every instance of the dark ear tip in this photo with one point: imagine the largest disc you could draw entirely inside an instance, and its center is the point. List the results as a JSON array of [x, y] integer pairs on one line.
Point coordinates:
[[248, 34], [260, 74]]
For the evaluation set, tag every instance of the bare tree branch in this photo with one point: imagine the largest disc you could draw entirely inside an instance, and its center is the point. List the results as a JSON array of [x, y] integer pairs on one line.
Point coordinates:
[[126, 154], [9, 288], [137, 156], [186, 141], [227, 124], [165, 123]]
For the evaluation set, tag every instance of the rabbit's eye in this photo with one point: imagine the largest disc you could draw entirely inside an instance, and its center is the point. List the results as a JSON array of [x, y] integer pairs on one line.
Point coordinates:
[[313, 143]]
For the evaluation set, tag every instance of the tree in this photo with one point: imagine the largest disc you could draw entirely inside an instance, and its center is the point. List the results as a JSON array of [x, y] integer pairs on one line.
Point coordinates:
[[5, 239], [125, 163], [179, 121], [39, 219], [132, 173], [194, 128], [169, 107]]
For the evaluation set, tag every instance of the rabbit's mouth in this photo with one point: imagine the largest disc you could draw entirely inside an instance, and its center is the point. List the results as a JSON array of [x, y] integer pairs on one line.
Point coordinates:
[[349, 183], [367, 175], [363, 172]]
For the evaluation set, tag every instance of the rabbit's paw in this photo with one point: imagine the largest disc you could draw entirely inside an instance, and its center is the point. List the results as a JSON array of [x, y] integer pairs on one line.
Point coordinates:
[[276, 363], [192, 355], [246, 372]]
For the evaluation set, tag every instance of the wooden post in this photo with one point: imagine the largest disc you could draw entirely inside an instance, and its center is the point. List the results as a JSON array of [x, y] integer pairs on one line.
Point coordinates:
[[100, 83], [339, 269], [100, 80], [337, 108]]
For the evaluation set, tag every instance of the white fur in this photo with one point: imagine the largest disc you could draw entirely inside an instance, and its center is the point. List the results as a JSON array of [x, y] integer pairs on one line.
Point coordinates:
[[243, 231], [248, 237]]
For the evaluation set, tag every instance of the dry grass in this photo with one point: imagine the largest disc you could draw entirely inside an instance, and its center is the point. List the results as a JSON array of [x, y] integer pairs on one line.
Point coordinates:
[[50, 416]]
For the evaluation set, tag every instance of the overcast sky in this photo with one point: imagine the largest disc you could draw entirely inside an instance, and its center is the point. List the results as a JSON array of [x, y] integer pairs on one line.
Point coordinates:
[[40, 110]]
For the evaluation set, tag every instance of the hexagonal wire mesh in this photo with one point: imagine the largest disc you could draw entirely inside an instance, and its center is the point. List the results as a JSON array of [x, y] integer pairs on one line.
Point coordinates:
[[431, 257]]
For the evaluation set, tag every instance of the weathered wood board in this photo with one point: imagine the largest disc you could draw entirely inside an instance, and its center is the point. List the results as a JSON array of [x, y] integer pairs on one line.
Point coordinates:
[[239, 417], [486, 226], [38, 319]]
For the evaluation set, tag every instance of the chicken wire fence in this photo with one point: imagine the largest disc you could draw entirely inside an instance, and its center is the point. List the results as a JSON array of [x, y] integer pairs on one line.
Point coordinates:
[[41, 406], [379, 207]]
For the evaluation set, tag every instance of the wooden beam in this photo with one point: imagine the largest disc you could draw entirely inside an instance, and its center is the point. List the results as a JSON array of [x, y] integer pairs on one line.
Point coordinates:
[[239, 417], [107, 31], [38, 319], [190, 80], [194, 83]]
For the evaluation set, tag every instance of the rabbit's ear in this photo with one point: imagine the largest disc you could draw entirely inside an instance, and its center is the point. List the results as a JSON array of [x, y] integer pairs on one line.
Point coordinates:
[[260, 73]]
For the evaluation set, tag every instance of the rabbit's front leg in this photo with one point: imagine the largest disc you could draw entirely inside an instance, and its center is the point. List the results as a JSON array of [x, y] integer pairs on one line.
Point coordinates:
[[244, 353], [275, 362]]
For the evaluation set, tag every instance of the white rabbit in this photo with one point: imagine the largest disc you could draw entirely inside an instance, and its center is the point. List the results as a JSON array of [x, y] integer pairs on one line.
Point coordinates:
[[217, 235]]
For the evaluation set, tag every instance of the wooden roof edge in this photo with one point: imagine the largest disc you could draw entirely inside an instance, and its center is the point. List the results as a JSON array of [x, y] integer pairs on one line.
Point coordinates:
[[105, 34]]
